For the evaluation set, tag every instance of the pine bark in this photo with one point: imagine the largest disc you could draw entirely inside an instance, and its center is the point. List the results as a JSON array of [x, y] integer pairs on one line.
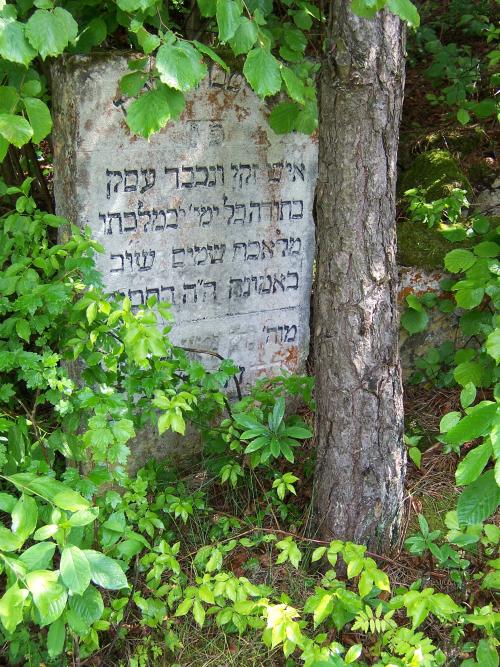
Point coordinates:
[[361, 458]]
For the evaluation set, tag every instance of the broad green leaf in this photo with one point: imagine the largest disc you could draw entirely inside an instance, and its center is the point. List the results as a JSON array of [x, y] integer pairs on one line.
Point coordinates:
[[198, 613], [474, 425], [367, 9], [88, 606], [105, 571], [9, 541], [262, 71], [132, 84], [459, 260], [469, 372], [13, 43], [353, 654], [318, 554], [15, 129], [93, 35], [39, 556], [479, 500], [486, 653], [75, 570], [283, 117], [473, 464], [39, 118], [11, 607], [406, 10], [245, 36], [468, 395], [148, 113], [23, 329], [134, 5], [147, 41], [207, 7], [493, 344], [9, 97], [203, 48], [84, 517], [487, 249], [294, 85], [180, 65], [24, 516], [48, 594], [50, 32], [414, 321], [463, 116], [469, 297], [228, 17], [56, 637]]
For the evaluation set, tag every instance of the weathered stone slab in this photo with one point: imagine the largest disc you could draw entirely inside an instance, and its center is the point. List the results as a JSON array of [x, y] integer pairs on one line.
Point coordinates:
[[213, 214]]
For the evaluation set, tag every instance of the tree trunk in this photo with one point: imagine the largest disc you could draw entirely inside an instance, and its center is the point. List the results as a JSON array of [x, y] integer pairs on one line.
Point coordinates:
[[361, 458]]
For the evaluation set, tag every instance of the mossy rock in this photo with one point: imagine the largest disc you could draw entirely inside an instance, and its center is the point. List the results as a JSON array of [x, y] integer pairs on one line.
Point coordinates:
[[436, 173], [420, 246]]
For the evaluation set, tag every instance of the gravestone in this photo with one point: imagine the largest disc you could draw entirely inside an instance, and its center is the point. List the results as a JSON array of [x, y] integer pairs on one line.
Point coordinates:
[[213, 214]]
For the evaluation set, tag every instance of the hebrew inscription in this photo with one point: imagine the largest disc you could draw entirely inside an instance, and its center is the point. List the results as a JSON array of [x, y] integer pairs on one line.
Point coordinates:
[[213, 215]]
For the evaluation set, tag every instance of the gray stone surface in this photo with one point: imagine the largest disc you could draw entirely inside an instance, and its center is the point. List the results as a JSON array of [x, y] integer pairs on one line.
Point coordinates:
[[212, 214]]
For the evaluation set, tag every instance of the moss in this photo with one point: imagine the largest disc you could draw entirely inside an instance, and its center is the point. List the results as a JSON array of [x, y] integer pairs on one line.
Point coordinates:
[[436, 172], [420, 246]]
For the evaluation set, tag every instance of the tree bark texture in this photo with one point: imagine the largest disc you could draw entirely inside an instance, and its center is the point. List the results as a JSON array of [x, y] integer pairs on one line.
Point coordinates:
[[361, 458]]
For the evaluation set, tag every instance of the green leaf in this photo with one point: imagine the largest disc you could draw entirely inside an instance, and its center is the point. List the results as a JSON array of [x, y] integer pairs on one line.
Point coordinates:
[[198, 613], [11, 607], [283, 117], [228, 18], [15, 129], [39, 118], [134, 5], [469, 373], [493, 344], [207, 7], [93, 35], [208, 51], [244, 37], [366, 8], [487, 249], [414, 321], [318, 554], [147, 41], [262, 72], [180, 65], [469, 297], [353, 653], [463, 116], [9, 541], [24, 516], [39, 556], [132, 84], [13, 43], [88, 606], [486, 653], [105, 571], [406, 10], [474, 425], [56, 637], [459, 260], [479, 500], [48, 594], [148, 113], [467, 395], [473, 464], [23, 329], [294, 86], [50, 32], [298, 432], [75, 570]]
